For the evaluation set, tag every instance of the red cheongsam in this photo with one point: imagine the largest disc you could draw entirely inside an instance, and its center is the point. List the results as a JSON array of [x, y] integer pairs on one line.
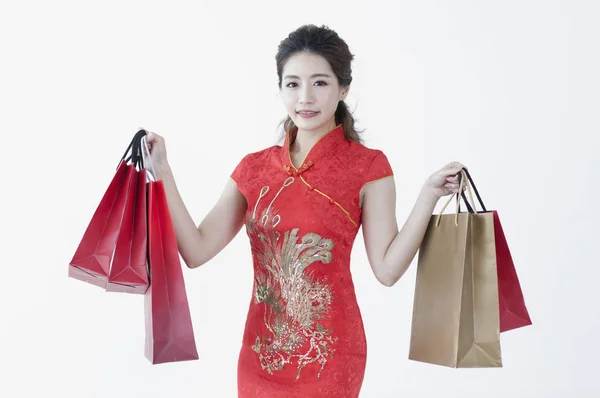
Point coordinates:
[[304, 334]]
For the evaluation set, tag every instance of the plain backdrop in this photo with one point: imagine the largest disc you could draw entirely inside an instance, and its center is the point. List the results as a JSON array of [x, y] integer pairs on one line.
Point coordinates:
[[508, 88]]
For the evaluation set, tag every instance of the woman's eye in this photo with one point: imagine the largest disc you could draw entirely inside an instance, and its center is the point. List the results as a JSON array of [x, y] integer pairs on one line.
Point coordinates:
[[319, 81]]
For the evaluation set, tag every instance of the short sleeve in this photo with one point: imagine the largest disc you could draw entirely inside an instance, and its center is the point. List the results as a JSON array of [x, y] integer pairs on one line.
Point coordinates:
[[238, 171], [380, 168]]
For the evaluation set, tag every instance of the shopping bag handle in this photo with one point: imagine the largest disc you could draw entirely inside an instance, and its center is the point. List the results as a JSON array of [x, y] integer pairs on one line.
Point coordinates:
[[469, 208], [136, 155], [146, 155], [132, 146], [464, 181]]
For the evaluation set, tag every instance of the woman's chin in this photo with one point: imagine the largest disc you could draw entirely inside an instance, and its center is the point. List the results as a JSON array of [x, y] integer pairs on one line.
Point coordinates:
[[308, 123]]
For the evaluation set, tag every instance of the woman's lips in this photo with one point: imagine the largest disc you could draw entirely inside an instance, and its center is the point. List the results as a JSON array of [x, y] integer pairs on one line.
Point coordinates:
[[307, 114]]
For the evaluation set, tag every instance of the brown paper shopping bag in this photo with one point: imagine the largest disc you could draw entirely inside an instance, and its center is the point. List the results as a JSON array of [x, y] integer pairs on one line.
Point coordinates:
[[456, 312]]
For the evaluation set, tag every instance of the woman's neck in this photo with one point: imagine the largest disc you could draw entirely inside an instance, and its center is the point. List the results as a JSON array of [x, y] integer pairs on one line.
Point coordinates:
[[306, 139]]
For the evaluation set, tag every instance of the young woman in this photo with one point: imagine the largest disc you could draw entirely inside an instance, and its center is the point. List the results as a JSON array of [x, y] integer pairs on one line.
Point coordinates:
[[302, 204]]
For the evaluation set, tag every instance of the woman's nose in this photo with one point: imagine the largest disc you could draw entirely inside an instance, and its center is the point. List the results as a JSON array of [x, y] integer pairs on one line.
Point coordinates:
[[305, 95]]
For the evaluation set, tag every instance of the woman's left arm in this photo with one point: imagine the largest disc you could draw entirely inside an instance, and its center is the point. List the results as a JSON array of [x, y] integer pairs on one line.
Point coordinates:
[[390, 251]]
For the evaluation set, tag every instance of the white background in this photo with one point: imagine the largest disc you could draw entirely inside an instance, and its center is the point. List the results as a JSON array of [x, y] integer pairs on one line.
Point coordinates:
[[508, 88]]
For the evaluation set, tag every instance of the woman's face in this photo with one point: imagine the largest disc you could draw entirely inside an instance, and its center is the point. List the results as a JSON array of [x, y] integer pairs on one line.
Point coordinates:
[[308, 83]]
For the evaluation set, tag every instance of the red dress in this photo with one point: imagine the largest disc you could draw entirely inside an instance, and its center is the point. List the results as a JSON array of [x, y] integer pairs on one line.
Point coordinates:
[[304, 334]]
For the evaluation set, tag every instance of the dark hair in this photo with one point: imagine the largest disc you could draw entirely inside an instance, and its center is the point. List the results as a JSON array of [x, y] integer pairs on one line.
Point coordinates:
[[326, 43]]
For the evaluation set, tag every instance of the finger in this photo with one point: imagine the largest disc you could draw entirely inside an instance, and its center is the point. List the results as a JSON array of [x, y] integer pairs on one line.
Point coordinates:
[[450, 173], [455, 165], [152, 137]]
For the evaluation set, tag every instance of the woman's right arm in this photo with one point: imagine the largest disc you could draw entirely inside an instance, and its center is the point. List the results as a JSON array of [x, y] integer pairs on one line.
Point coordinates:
[[198, 244]]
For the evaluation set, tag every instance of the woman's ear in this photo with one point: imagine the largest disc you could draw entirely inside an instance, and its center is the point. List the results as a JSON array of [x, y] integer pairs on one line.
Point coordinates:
[[345, 92]]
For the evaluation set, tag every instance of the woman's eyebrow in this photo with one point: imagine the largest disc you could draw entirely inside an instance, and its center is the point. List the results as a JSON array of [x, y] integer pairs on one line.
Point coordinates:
[[312, 76]]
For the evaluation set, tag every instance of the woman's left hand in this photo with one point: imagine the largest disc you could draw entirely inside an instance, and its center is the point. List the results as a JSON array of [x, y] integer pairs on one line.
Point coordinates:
[[444, 181]]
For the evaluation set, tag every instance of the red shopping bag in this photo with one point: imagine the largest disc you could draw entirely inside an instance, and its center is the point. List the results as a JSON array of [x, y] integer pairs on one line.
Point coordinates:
[[91, 261], [169, 330], [128, 271], [513, 310]]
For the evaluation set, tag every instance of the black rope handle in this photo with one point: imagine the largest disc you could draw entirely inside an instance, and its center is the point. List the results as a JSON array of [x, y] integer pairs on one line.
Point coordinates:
[[469, 208], [140, 157], [136, 137], [134, 147], [136, 155]]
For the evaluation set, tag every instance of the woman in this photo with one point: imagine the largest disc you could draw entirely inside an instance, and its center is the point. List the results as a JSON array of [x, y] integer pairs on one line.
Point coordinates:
[[302, 204]]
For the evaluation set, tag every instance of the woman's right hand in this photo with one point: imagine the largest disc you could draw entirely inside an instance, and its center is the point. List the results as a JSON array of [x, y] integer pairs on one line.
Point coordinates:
[[157, 149]]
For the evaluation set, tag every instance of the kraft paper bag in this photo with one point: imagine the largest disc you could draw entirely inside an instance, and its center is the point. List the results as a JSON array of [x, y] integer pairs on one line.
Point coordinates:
[[456, 310]]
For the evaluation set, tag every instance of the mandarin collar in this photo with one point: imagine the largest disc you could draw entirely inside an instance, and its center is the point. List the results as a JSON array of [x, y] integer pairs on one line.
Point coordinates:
[[321, 150]]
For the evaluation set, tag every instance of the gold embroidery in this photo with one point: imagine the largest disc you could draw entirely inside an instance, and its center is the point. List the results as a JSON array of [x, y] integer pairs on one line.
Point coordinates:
[[294, 301]]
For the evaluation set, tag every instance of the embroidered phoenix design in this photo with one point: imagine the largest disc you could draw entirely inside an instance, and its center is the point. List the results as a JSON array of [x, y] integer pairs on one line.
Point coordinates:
[[294, 301]]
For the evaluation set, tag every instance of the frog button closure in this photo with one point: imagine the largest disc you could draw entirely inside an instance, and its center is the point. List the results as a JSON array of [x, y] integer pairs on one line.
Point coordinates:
[[293, 172]]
